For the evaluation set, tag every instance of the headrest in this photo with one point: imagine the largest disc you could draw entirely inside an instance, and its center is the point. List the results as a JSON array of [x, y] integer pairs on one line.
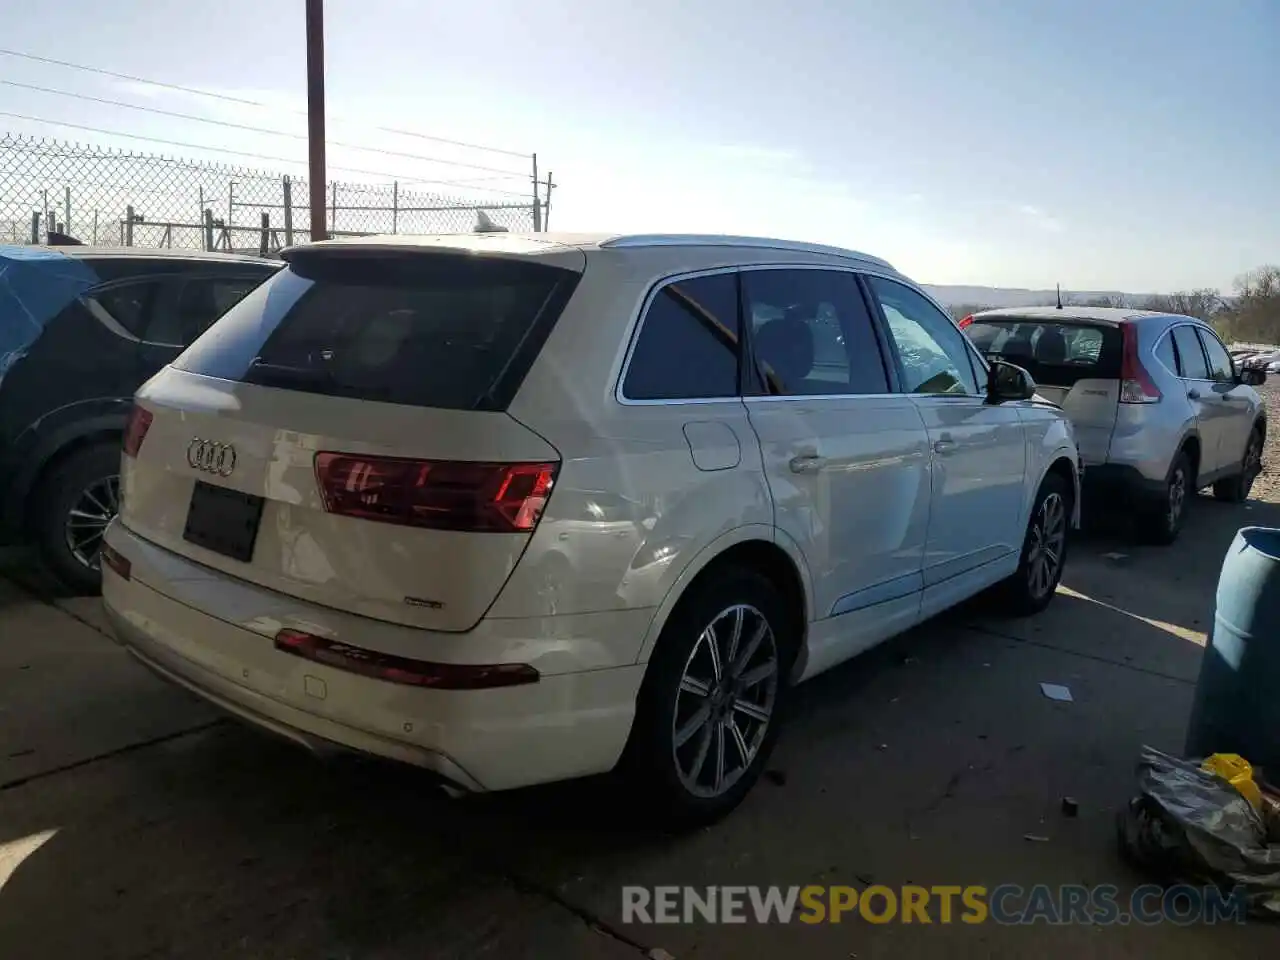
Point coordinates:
[[1051, 347], [786, 345]]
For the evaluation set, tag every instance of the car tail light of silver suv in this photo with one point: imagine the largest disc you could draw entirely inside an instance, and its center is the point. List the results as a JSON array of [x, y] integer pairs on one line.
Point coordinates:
[[1136, 385], [441, 495]]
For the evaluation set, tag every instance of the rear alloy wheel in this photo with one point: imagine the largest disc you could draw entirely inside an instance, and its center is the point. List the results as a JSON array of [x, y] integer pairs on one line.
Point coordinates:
[[1044, 550], [81, 497], [1163, 520], [1236, 489], [725, 701], [707, 715]]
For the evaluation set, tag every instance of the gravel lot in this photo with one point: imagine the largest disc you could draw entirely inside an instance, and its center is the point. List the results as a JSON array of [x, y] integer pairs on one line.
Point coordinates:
[[1267, 486]]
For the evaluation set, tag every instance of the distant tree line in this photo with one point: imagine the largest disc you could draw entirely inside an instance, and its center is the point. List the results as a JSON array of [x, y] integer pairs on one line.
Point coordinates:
[[1251, 314]]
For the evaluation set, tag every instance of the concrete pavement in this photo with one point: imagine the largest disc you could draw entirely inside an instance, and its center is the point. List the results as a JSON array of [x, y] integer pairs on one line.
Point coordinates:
[[146, 828]]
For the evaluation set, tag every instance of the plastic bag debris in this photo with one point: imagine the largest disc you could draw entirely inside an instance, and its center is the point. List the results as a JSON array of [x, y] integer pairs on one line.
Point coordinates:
[[1238, 772], [1189, 825]]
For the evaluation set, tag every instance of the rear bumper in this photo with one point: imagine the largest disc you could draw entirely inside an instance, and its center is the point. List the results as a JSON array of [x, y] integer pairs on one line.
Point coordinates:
[[1114, 480], [563, 726]]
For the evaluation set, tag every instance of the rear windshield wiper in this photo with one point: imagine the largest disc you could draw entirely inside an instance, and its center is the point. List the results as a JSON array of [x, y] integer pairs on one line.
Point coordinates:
[[313, 379], [281, 375]]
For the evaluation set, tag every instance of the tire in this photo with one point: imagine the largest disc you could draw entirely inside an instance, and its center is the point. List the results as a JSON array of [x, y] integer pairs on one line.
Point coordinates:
[[86, 481], [664, 773], [1161, 522], [1044, 550], [1236, 489]]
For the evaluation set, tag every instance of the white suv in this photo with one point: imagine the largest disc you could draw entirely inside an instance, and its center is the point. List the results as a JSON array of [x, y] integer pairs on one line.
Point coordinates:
[[524, 508]]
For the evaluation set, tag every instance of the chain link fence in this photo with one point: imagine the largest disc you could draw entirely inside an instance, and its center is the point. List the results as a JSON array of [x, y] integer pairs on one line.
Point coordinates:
[[107, 197]]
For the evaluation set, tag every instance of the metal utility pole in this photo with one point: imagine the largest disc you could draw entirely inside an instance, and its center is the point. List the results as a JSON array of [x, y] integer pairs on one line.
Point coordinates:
[[315, 116]]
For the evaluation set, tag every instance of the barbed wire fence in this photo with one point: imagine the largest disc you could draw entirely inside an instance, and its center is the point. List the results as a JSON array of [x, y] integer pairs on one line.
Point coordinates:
[[109, 197]]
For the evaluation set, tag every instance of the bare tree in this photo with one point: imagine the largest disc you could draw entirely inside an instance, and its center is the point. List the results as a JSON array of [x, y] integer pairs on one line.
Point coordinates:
[[1109, 300], [1204, 303], [1255, 313]]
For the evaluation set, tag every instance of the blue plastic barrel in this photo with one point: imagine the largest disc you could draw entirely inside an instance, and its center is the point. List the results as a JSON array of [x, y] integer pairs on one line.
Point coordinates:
[[1237, 699]]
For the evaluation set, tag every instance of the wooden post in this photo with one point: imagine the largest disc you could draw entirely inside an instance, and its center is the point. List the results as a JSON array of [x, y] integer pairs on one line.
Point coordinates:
[[315, 115], [287, 186], [537, 200]]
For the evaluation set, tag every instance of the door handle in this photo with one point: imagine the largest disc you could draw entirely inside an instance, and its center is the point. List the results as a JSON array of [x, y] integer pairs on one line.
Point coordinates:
[[807, 463], [1193, 394], [944, 446]]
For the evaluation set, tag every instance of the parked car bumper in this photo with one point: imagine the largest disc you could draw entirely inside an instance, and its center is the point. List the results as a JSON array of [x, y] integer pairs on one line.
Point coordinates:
[[561, 726], [1113, 481]]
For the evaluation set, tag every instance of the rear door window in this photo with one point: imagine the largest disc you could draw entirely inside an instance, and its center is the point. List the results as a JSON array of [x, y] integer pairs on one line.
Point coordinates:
[[192, 305], [812, 333], [688, 345], [433, 330], [1055, 353], [1191, 362], [124, 306]]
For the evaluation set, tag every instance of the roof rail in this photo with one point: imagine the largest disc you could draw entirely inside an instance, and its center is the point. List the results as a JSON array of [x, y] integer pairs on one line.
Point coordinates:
[[718, 240]]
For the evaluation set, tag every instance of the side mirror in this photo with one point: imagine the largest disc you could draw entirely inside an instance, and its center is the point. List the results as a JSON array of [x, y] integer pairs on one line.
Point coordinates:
[[1252, 376], [1008, 381]]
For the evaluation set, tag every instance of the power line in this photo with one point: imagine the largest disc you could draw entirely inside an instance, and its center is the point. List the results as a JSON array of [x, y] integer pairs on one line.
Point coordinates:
[[247, 102], [255, 156], [242, 126]]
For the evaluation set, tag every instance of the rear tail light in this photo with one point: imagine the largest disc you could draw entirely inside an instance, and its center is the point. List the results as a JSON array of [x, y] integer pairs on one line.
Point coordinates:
[[438, 494], [136, 431], [966, 321], [116, 561], [393, 669], [1136, 385]]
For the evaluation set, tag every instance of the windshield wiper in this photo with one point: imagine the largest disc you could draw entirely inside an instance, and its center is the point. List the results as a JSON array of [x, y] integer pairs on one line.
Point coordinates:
[[281, 375]]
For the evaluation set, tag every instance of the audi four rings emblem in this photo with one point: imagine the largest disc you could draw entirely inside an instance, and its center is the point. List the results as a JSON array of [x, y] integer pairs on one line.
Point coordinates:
[[211, 457]]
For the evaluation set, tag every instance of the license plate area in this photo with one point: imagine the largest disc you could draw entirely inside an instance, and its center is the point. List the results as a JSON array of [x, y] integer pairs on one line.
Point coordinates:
[[224, 521]]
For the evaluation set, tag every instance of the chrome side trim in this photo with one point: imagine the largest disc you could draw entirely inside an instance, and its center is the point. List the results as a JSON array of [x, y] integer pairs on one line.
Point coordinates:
[[894, 589], [640, 240]]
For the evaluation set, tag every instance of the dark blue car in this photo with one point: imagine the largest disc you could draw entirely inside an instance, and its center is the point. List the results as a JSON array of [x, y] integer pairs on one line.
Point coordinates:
[[81, 329]]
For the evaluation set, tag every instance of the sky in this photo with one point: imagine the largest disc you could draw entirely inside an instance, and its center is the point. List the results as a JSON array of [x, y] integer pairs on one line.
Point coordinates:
[[1126, 145]]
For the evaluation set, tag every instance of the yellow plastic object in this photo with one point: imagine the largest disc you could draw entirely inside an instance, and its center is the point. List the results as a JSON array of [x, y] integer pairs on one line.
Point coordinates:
[[1238, 772]]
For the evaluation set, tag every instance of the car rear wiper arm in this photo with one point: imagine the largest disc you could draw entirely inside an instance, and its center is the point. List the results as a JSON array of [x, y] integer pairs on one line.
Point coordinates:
[[282, 375]]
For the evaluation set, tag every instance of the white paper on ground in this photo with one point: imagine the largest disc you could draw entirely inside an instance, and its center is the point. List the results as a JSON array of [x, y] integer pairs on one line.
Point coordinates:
[[1056, 691]]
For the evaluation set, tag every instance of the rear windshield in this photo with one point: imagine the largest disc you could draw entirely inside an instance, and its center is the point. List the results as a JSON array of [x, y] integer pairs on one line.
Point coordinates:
[[1054, 353], [423, 329]]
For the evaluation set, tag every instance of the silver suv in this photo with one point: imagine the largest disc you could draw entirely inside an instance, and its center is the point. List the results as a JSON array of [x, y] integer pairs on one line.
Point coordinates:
[[1159, 407]]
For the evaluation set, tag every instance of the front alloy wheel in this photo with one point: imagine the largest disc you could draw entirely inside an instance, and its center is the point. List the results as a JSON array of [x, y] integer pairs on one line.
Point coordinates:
[[1237, 489], [725, 701]]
